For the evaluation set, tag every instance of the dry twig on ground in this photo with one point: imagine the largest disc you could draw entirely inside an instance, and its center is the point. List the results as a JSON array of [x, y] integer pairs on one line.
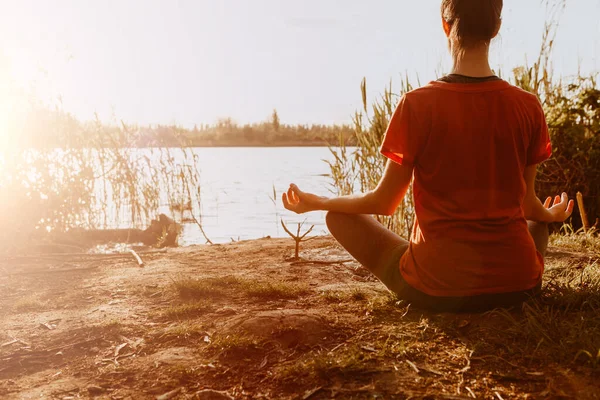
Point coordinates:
[[298, 238]]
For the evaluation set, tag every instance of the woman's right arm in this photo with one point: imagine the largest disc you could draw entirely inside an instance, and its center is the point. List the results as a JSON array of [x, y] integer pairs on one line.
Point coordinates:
[[534, 210]]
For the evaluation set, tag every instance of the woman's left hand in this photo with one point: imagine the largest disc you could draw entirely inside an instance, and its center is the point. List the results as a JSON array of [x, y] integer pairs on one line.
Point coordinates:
[[299, 202]]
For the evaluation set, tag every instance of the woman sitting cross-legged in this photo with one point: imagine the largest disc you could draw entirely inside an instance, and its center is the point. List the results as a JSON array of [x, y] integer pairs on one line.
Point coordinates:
[[471, 141]]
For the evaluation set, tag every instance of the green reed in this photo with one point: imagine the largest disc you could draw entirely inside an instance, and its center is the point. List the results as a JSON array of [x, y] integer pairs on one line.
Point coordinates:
[[360, 168], [97, 179]]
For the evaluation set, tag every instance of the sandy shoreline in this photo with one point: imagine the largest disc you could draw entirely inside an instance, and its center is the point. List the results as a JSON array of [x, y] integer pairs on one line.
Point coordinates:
[[246, 321]]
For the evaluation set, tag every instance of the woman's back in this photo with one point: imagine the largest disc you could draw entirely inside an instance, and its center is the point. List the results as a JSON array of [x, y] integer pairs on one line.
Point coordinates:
[[469, 145], [471, 141]]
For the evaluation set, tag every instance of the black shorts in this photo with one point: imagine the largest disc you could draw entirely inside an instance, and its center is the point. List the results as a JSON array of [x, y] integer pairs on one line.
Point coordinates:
[[394, 281]]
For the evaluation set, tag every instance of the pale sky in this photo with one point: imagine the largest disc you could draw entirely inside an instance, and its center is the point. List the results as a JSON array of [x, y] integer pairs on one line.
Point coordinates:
[[186, 62]]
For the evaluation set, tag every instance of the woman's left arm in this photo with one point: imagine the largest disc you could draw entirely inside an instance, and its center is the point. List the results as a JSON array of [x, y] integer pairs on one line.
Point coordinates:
[[383, 200]]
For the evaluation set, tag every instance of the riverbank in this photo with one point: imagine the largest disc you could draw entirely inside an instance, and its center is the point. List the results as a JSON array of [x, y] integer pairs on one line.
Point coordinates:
[[246, 320]]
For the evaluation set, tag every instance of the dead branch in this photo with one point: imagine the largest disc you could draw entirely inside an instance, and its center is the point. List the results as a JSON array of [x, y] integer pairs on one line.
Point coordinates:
[[137, 258], [285, 228], [583, 213], [307, 232], [298, 238]]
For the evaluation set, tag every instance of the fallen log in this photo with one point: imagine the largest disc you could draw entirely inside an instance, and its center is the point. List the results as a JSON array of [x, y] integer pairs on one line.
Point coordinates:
[[162, 232]]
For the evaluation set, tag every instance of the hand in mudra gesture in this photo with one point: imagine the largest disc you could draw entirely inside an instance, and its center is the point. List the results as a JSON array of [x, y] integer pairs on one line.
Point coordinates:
[[561, 209], [300, 202]]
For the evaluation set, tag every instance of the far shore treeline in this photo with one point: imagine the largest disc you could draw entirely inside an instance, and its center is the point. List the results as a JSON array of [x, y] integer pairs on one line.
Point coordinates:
[[57, 129], [227, 133]]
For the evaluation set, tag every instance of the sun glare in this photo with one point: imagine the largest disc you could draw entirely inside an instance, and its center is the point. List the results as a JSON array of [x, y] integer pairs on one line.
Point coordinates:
[[8, 125], [8, 111], [4, 128]]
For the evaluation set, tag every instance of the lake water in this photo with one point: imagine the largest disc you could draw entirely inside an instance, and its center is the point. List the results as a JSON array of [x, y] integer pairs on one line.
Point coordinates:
[[237, 189]]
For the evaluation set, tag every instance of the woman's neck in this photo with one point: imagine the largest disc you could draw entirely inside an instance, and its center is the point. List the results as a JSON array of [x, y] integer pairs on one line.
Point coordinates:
[[472, 62]]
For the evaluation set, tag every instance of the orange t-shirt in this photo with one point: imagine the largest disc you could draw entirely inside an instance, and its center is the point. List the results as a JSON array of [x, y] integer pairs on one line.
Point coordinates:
[[469, 144]]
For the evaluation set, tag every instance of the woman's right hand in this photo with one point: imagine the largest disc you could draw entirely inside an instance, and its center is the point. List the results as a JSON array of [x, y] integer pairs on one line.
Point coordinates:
[[561, 209], [300, 202]]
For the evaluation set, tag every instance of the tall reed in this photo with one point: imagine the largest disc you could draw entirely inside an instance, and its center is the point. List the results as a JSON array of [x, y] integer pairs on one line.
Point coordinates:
[[98, 179], [360, 168]]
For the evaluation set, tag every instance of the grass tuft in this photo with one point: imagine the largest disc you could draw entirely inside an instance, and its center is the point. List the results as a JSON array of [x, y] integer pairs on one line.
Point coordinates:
[[344, 362], [238, 348], [577, 241], [563, 325], [235, 342], [187, 311], [184, 333], [358, 295], [195, 289], [338, 296], [273, 290], [29, 304], [332, 296]]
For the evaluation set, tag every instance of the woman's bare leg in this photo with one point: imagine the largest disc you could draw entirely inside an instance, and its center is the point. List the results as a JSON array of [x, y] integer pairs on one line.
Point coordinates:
[[539, 232], [369, 242]]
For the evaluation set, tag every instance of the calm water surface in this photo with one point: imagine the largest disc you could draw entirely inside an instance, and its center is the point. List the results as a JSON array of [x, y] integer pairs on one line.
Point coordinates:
[[237, 190]]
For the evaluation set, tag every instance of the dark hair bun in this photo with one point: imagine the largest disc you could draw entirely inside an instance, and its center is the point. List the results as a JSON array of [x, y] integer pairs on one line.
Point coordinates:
[[472, 22]]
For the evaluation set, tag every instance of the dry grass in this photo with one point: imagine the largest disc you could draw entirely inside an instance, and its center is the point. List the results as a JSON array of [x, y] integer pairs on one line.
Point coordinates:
[[110, 324], [358, 295], [339, 296], [349, 361], [184, 330], [577, 241], [326, 365], [352, 359], [201, 288], [29, 304], [273, 290], [235, 342], [563, 326], [210, 287], [236, 349], [182, 333], [187, 311], [560, 328]]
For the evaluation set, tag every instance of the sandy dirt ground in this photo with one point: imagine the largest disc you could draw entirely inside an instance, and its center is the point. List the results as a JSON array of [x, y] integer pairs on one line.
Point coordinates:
[[245, 321]]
